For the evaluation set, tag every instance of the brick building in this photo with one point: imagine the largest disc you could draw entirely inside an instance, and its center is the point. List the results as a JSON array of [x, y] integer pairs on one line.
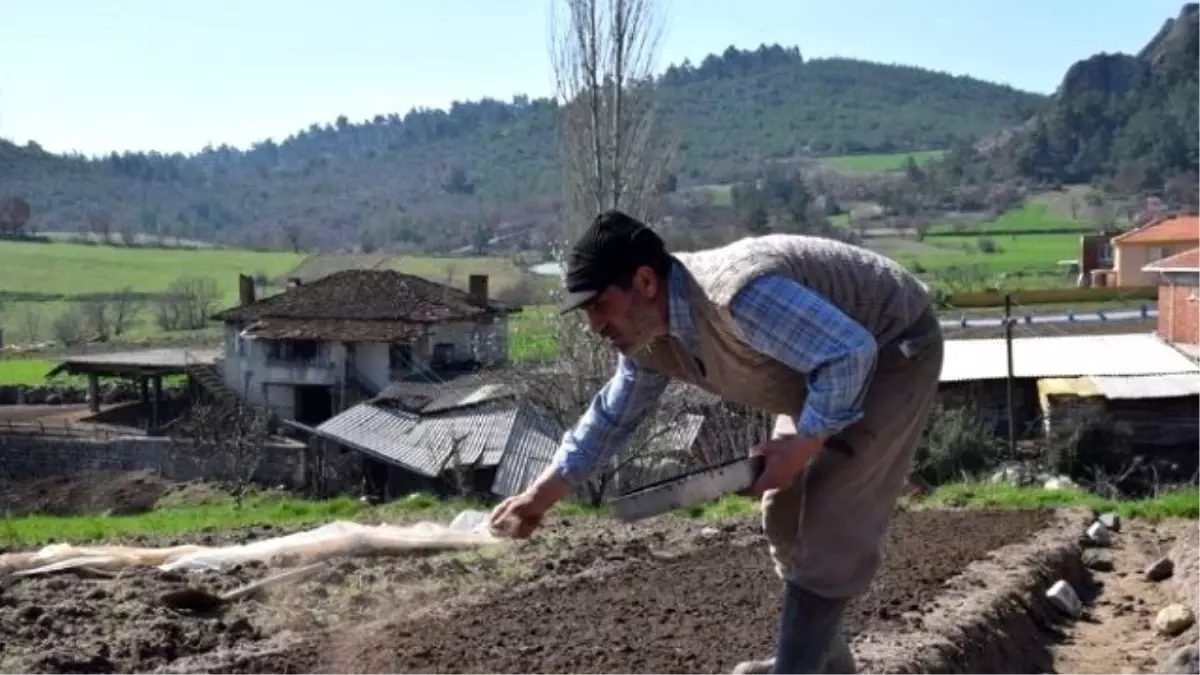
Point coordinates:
[[1178, 296]]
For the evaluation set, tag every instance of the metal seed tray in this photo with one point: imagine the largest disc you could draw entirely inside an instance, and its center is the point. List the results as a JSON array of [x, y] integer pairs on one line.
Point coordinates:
[[696, 487]]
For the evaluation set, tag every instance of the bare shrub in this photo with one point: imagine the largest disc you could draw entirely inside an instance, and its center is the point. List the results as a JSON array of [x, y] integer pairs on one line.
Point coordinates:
[[31, 325], [231, 434], [954, 445], [70, 327], [187, 304]]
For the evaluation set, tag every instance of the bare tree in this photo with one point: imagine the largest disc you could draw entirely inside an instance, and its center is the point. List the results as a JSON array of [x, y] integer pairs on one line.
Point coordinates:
[[232, 435], [96, 317], [70, 327], [31, 324], [292, 232], [603, 58], [613, 157], [187, 304], [562, 395], [125, 306]]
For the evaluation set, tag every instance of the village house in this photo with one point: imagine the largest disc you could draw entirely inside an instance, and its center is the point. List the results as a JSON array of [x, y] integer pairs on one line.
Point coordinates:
[[1178, 293], [317, 348], [1132, 251]]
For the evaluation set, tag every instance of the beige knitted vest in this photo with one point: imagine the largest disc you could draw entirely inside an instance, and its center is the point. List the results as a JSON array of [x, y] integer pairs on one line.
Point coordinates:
[[868, 287]]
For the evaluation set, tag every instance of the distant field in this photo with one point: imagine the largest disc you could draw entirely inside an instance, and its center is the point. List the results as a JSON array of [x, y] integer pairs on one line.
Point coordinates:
[[878, 163], [77, 268], [68, 269], [27, 371], [1011, 253], [722, 195], [1028, 218]]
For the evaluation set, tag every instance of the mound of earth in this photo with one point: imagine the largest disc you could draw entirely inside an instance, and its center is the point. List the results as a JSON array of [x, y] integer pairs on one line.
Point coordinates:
[[666, 596], [113, 492], [699, 613], [69, 624]]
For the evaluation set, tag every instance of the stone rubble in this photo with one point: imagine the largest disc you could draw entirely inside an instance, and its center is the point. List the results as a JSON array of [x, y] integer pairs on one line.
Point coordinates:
[[1173, 620], [1161, 570]]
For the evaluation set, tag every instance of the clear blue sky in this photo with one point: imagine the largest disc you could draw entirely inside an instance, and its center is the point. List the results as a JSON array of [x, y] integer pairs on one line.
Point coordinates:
[[96, 76]]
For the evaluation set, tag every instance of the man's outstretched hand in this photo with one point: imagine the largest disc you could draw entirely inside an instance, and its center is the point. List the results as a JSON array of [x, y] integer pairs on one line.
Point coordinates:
[[517, 517], [783, 460]]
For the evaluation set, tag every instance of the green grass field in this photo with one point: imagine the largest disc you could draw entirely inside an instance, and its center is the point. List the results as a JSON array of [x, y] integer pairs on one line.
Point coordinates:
[[269, 508], [1028, 218], [223, 514], [29, 372], [70, 270], [722, 195], [880, 163], [1011, 253]]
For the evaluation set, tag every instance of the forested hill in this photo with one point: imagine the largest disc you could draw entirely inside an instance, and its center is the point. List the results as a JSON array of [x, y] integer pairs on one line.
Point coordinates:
[[402, 173], [1126, 120]]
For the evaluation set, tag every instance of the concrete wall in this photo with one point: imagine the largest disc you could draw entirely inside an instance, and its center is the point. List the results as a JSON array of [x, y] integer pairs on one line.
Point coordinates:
[[248, 370], [295, 466], [483, 341], [1179, 308], [371, 360]]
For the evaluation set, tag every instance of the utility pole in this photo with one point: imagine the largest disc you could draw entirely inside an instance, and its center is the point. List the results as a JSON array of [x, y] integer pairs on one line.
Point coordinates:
[[1008, 344]]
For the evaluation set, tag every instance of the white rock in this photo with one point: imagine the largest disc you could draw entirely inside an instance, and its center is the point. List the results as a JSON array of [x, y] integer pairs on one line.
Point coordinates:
[[1059, 483], [1099, 534], [709, 532], [1111, 520], [1173, 620], [1063, 597]]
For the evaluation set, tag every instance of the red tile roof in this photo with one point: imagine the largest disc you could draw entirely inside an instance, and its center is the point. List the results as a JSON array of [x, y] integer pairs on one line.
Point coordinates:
[[1188, 260], [1167, 230]]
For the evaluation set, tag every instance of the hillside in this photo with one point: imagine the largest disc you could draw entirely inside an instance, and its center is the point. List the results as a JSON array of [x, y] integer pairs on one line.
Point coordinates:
[[1129, 121], [417, 180]]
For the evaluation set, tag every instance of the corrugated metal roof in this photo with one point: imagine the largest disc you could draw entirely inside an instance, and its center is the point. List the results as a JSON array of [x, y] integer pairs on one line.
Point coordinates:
[[1067, 386], [426, 445], [392, 435], [678, 435], [1151, 386], [1063, 356], [460, 398], [530, 449]]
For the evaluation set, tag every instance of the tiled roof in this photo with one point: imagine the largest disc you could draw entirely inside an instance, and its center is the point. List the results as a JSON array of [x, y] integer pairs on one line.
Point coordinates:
[[348, 330], [367, 295], [1166, 230], [1186, 261]]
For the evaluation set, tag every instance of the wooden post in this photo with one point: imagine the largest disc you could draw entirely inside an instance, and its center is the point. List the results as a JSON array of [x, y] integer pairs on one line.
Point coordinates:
[[1012, 416], [94, 392], [154, 404]]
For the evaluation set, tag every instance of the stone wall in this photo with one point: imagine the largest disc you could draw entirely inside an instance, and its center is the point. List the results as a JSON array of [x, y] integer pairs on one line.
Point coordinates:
[[314, 470]]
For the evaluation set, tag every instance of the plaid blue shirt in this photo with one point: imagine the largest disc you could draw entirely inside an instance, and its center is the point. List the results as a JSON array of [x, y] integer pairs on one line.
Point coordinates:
[[778, 317]]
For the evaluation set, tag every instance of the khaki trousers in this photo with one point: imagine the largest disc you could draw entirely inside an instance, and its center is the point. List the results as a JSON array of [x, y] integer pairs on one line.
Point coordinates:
[[826, 531]]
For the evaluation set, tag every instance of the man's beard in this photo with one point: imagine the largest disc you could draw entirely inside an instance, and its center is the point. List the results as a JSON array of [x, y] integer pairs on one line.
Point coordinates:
[[643, 321]]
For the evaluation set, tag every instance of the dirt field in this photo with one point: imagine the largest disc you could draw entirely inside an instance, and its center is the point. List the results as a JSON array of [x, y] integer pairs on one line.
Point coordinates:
[[115, 492], [587, 596]]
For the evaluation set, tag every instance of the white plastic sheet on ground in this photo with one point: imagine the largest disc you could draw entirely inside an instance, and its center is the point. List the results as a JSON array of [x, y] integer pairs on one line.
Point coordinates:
[[469, 529]]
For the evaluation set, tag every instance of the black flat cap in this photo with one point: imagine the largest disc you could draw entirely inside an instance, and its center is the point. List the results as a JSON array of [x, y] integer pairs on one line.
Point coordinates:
[[609, 251]]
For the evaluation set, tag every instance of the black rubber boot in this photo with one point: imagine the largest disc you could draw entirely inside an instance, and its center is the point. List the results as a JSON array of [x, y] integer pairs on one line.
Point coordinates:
[[810, 637]]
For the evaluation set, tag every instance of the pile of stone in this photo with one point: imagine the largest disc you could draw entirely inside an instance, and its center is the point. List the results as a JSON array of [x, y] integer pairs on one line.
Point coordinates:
[[1171, 621]]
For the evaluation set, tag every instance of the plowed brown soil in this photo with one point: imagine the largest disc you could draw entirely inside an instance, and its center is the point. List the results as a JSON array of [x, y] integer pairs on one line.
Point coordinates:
[[700, 613]]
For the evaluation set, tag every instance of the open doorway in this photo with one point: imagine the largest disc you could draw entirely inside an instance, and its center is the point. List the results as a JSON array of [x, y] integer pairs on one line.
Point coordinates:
[[314, 404]]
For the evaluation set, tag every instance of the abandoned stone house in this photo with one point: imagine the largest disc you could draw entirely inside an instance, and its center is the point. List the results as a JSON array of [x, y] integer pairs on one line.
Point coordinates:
[[317, 348]]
